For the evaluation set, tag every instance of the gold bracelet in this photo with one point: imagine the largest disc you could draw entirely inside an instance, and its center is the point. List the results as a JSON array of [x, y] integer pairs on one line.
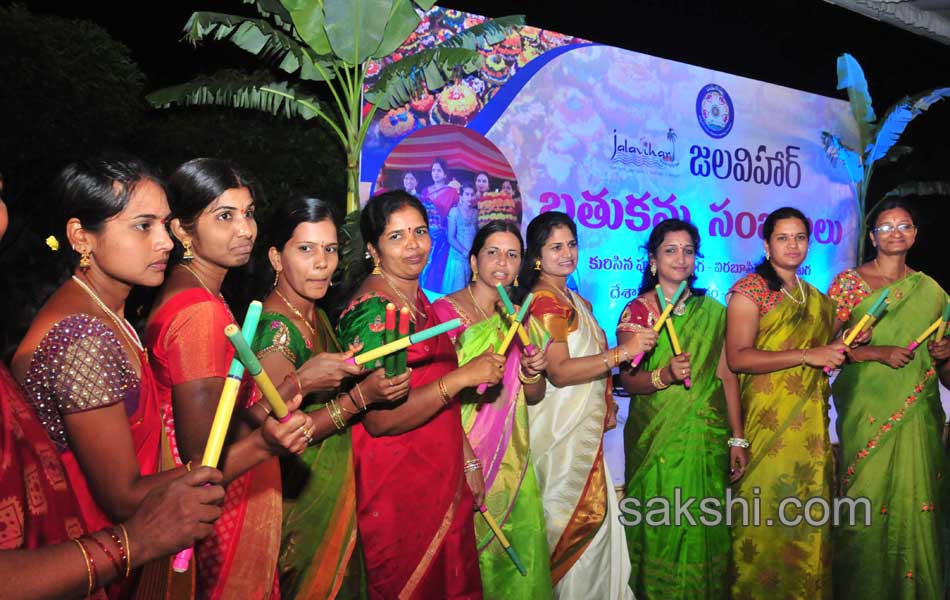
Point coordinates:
[[528, 380], [657, 380], [343, 408], [128, 550], [444, 392], [362, 398], [335, 415], [616, 356], [471, 465], [89, 573]]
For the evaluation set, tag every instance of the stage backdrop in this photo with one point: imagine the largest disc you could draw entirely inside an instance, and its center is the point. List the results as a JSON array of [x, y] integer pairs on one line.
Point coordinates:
[[620, 141]]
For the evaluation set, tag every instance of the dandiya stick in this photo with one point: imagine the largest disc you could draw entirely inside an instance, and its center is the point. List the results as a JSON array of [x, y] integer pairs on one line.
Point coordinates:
[[261, 378], [510, 336], [222, 415], [503, 540], [944, 317], [405, 342], [926, 334], [401, 357], [674, 340], [389, 335], [510, 309], [866, 321], [663, 316]]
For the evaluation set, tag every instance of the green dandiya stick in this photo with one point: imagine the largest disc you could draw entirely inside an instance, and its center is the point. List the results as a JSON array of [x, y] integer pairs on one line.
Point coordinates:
[[866, 321], [663, 316], [405, 342], [389, 335], [944, 317], [515, 324], [253, 366], [510, 309]]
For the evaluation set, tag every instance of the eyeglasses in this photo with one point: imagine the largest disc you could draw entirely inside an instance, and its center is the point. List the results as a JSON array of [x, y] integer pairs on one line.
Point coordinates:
[[889, 228]]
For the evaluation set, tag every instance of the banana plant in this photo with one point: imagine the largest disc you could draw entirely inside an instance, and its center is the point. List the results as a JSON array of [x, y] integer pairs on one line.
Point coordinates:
[[878, 141], [328, 42]]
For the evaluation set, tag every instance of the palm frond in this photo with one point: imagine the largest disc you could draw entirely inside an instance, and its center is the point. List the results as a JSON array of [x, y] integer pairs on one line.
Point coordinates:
[[894, 123], [397, 82], [486, 34], [260, 38], [851, 77], [236, 90], [837, 152], [275, 10]]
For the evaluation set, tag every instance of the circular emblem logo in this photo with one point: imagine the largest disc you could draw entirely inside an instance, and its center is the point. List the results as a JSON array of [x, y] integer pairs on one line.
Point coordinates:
[[714, 111]]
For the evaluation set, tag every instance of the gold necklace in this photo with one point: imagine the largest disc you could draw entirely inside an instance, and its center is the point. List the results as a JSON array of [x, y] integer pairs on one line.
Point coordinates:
[[313, 330], [413, 311], [195, 275], [475, 303], [120, 323], [800, 290]]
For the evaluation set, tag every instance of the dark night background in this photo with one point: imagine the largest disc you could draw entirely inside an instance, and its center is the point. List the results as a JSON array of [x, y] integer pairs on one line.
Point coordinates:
[[787, 42]]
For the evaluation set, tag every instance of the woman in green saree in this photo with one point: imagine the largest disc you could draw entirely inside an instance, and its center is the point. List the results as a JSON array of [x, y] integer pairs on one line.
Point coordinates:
[[890, 422], [318, 557], [779, 333], [497, 423], [676, 437]]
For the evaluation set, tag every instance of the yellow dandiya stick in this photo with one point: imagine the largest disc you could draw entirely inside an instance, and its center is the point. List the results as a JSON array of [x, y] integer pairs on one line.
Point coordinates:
[[674, 340], [503, 540], [510, 309], [261, 378], [510, 336], [865, 322], [222, 415], [404, 342], [926, 334], [663, 316]]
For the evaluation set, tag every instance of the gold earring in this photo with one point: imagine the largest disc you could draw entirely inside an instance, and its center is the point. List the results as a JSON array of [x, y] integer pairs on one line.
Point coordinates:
[[276, 277], [653, 269], [188, 255], [475, 275], [516, 281], [84, 262], [537, 265], [376, 269]]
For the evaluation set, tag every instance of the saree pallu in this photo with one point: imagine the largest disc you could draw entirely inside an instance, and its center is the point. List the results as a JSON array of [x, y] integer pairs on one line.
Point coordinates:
[[890, 423], [588, 548], [786, 423], [675, 440], [497, 429], [414, 508], [239, 559], [319, 557]]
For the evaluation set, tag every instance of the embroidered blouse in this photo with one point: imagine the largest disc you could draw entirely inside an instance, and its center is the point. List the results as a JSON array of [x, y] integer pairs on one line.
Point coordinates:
[[78, 366], [755, 288], [848, 289]]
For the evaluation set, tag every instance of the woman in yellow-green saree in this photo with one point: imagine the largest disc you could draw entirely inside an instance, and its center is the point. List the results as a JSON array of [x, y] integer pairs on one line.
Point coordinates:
[[890, 422], [497, 423], [779, 333]]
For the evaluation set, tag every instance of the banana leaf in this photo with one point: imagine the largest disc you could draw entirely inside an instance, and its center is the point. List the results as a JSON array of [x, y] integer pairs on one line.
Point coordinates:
[[851, 77], [435, 65], [900, 115]]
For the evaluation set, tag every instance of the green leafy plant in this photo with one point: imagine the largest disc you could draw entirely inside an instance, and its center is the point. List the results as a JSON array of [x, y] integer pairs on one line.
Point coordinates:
[[878, 141]]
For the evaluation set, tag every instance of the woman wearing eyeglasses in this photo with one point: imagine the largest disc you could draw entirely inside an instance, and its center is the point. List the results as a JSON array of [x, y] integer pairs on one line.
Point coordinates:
[[890, 422]]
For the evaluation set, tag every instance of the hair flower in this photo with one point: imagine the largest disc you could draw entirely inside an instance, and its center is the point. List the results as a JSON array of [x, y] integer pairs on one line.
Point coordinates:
[[53, 243]]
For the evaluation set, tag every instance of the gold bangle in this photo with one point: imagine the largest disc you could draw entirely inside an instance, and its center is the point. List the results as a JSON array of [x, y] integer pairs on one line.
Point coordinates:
[[444, 392], [362, 398], [617, 356], [128, 550], [606, 363], [89, 572], [296, 377], [804, 352], [657, 380], [528, 380], [335, 415], [343, 408]]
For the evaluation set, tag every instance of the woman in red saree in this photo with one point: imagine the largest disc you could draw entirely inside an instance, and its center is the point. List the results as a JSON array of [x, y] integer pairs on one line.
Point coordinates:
[[81, 363], [213, 218], [414, 509]]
